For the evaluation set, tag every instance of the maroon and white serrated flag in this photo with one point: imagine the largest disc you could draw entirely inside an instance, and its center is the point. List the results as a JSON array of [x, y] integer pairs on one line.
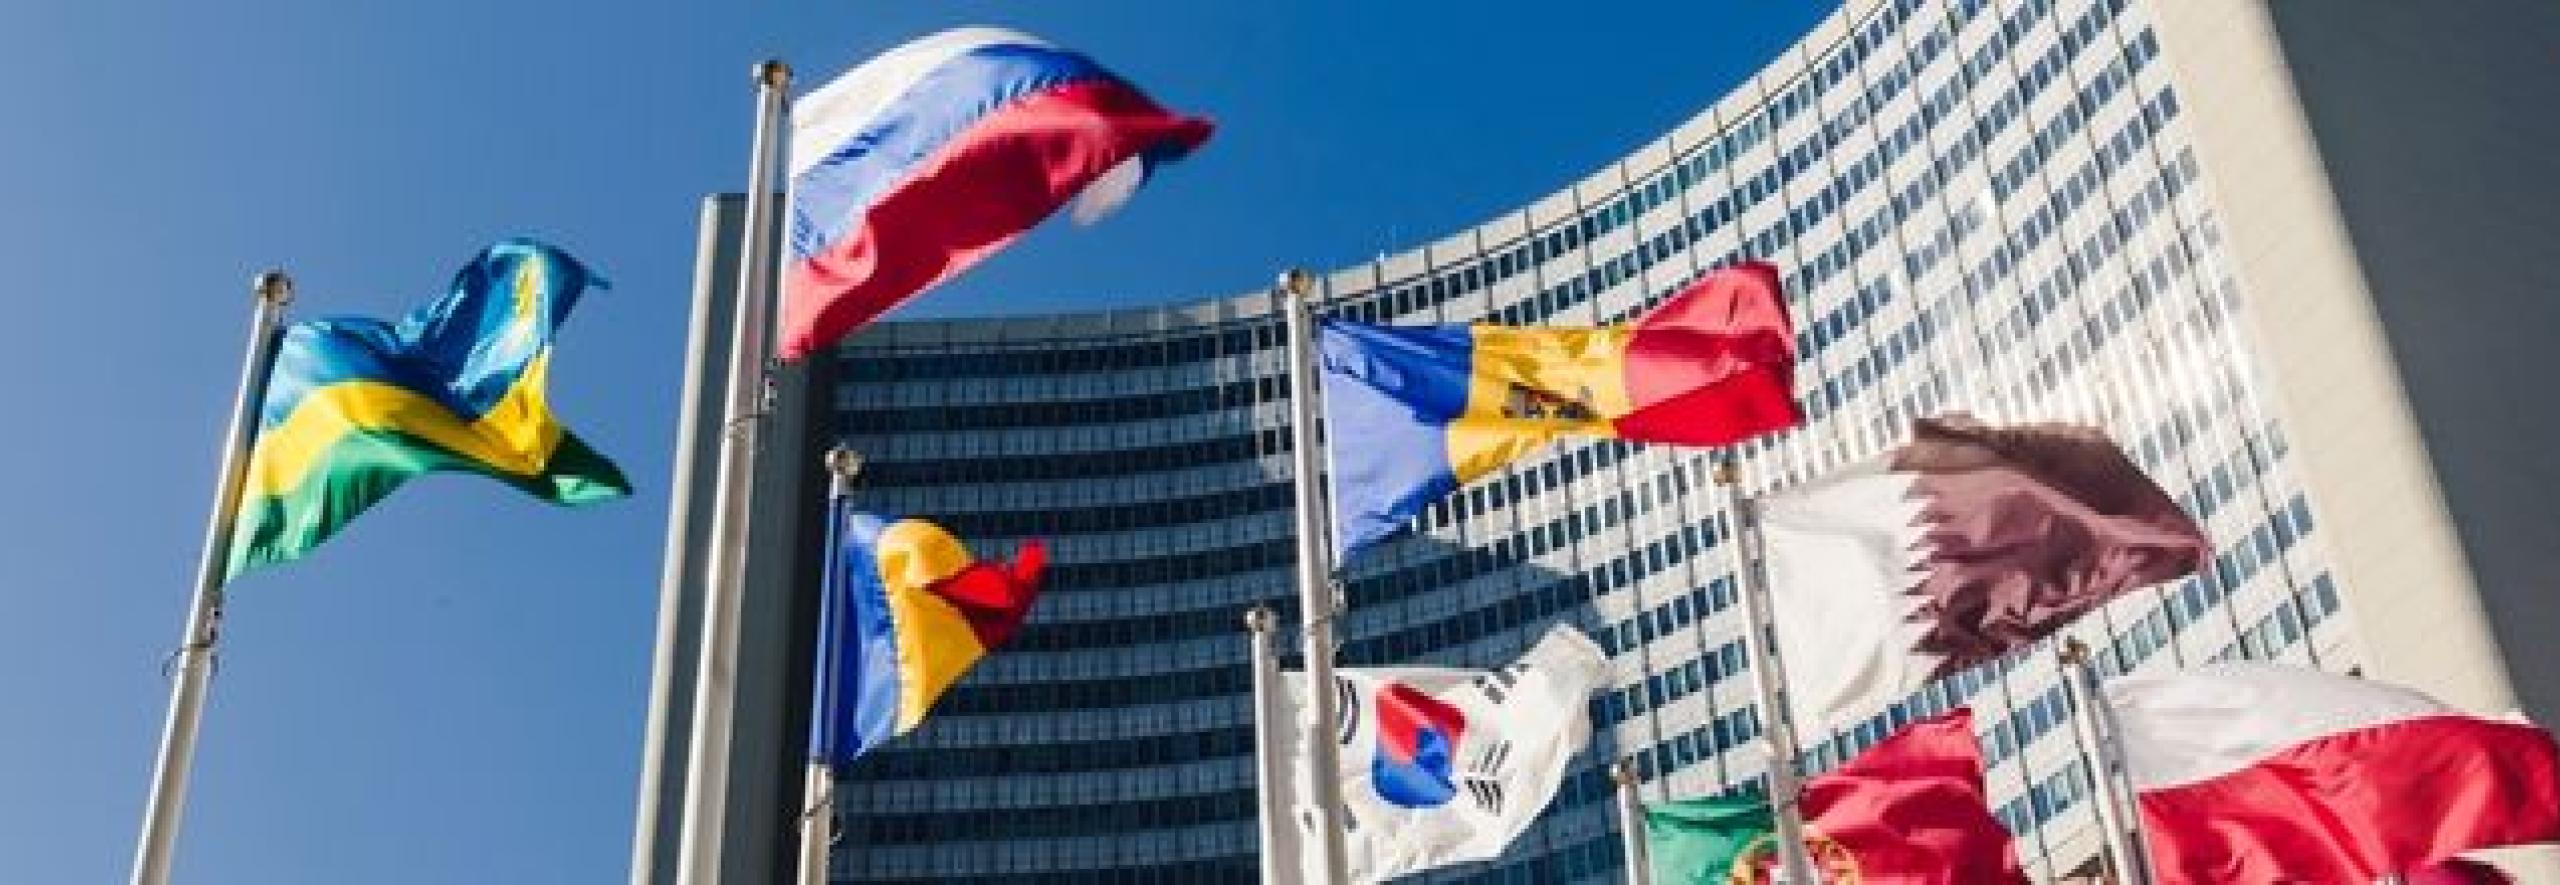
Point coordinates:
[[1964, 544]]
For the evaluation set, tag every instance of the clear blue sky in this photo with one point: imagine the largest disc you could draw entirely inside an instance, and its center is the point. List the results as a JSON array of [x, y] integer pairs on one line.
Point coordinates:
[[452, 691]]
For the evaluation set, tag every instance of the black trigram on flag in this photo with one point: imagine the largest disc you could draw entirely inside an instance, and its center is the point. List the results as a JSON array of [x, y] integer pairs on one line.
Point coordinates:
[[1348, 710], [1483, 775]]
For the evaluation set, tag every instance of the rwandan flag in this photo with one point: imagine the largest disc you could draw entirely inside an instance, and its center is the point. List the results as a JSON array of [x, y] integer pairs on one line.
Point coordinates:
[[355, 407], [1415, 412], [907, 612]]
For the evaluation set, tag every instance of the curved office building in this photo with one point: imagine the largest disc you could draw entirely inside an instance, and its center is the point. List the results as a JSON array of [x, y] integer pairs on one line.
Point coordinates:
[[2016, 208]]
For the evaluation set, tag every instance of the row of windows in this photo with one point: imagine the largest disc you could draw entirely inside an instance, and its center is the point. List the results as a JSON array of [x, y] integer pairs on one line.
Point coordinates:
[[1070, 413], [1184, 511], [1090, 819], [932, 763], [1050, 466], [1225, 680], [867, 366]]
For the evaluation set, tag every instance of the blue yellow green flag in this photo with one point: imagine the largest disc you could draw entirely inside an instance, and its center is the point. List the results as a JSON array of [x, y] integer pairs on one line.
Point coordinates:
[[355, 407]]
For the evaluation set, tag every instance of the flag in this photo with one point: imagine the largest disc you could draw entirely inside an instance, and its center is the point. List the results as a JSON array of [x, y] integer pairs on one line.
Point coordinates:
[[1444, 766], [908, 612], [1955, 548], [1908, 811], [2263, 773], [1415, 412], [355, 407], [913, 166]]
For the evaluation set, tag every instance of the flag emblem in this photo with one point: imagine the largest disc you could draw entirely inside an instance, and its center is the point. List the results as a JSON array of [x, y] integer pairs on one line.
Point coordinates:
[[1758, 861], [1417, 739]]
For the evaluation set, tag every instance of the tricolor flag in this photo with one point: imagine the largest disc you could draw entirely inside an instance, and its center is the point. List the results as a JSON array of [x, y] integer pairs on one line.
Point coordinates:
[[913, 166], [1415, 412], [1444, 766], [356, 407], [1908, 811], [1955, 548], [2261, 773], [908, 612]]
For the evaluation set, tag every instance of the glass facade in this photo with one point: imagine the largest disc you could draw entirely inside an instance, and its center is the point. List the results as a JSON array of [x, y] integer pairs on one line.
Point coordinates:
[[1981, 206]]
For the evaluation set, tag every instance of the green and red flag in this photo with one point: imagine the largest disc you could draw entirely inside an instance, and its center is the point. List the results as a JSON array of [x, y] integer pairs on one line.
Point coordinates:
[[1908, 811]]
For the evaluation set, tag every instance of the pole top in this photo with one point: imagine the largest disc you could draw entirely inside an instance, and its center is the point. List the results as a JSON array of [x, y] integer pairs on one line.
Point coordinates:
[[273, 288], [1258, 619], [844, 463], [772, 72], [2074, 651], [1623, 771], [1296, 282], [1728, 473]]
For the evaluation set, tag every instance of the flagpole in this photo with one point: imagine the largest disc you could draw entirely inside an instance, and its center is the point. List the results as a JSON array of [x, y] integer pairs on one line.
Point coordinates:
[[1268, 765], [818, 790], [1631, 822], [194, 665], [2105, 760], [706, 795], [1315, 577], [1769, 676]]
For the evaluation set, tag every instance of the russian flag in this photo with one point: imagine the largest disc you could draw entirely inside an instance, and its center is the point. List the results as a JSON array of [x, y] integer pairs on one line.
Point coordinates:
[[915, 165]]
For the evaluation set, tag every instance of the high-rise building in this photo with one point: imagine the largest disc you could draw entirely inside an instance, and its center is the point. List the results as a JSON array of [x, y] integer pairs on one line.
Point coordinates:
[[2233, 233]]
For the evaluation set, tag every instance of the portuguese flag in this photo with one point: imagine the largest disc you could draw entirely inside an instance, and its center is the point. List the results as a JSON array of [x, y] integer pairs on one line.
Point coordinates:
[[1908, 811]]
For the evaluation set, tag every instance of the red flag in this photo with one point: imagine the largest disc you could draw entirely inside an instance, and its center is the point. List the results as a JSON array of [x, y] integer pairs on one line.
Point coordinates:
[[2262, 773], [1911, 811]]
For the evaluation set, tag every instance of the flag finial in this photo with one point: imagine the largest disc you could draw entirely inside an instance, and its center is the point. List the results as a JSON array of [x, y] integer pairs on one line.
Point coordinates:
[[273, 287], [2074, 651], [772, 72], [1296, 282]]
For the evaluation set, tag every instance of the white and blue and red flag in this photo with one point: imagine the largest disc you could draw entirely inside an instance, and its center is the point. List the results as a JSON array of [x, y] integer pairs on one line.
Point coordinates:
[[1443, 766], [913, 166]]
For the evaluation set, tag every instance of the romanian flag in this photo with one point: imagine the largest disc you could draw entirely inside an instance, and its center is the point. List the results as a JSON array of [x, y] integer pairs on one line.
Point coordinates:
[[1415, 412], [917, 164], [908, 611], [355, 407]]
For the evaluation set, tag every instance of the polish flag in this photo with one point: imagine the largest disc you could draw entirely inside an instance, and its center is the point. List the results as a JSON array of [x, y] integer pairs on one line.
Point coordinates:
[[2262, 773]]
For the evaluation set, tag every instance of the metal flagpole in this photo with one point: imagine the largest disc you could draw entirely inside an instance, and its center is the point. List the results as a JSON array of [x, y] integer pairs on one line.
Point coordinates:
[[706, 795], [1315, 578], [2106, 764], [1270, 820], [152, 854], [1631, 822], [1769, 676], [818, 794]]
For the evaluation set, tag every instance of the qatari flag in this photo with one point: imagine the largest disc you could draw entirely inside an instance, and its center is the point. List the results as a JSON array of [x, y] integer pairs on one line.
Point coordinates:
[[1962, 545]]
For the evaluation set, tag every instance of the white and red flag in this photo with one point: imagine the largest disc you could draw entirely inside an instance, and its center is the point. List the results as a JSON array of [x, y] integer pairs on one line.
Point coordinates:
[[2263, 773]]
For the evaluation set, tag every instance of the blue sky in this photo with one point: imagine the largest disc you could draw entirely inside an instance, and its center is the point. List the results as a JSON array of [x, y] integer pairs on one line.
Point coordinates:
[[452, 691]]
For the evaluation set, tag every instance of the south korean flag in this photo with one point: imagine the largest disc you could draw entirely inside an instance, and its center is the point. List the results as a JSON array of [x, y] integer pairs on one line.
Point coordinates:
[[1442, 766]]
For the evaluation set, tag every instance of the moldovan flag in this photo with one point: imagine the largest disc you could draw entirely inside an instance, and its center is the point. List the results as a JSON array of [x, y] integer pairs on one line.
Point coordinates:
[[1443, 766], [1412, 413], [913, 166], [1964, 544], [2263, 773], [907, 612], [1908, 811]]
